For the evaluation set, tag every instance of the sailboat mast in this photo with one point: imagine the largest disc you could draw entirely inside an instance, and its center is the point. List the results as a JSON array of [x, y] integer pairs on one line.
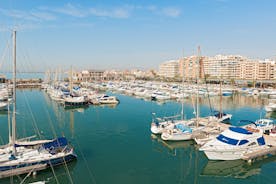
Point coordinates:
[[220, 101], [182, 101], [14, 94], [197, 82], [71, 79]]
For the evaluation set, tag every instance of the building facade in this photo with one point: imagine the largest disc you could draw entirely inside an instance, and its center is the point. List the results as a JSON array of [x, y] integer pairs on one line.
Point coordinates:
[[88, 75], [169, 69]]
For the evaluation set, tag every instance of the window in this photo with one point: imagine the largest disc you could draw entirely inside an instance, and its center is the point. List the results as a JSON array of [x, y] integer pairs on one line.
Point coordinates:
[[227, 140], [242, 142]]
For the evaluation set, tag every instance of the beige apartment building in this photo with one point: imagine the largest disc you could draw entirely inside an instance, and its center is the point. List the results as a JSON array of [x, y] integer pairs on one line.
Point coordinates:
[[88, 75], [227, 67], [189, 67], [169, 69]]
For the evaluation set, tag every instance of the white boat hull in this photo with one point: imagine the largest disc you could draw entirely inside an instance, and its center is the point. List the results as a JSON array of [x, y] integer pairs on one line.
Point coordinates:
[[176, 136]]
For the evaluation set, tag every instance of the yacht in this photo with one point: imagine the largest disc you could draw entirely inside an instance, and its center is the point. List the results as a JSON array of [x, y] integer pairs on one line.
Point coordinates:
[[233, 143]]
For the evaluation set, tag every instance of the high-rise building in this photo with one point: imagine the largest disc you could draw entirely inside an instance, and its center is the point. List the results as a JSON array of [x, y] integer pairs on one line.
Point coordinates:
[[189, 67]]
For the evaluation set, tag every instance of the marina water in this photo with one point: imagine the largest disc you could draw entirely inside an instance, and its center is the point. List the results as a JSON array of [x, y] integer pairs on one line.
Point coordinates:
[[114, 143]]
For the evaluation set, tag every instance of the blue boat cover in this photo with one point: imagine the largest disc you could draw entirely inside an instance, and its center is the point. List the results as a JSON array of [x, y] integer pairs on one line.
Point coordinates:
[[240, 130], [183, 128], [59, 142]]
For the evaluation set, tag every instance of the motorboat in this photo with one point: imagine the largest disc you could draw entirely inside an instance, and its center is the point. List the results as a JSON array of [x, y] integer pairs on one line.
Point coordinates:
[[233, 143], [105, 99], [221, 116], [264, 125]]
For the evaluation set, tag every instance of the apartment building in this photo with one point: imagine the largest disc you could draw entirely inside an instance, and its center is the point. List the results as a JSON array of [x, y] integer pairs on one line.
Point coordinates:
[[169, 69], [223, 66], [88, 75], [189, 67]]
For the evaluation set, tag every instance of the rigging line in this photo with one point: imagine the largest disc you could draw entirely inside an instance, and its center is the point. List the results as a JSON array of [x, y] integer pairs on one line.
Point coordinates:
[[86, 163], [55, 176], [4, 53], [50, 122], [67, 170], [32, 116]]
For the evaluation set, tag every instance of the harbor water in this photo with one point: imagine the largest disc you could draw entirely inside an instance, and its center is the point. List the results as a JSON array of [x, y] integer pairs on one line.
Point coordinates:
[[114, 143]]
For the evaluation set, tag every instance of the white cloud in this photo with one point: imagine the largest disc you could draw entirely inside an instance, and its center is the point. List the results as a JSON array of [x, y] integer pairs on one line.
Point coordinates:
[[171, 12], [31, 16], [71, 10], [123, 12], [43, 15]]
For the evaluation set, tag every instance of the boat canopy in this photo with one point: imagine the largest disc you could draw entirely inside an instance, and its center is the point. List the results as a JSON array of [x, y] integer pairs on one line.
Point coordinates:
[[240, 130], [59, 142], [183, 128]]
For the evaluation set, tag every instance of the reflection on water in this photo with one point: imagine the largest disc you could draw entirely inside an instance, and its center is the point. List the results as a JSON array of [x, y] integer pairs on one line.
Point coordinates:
[[3, 112], [235, 101], [116, 145], [58, 174], [172, 146], [234, 168], [271, 115]]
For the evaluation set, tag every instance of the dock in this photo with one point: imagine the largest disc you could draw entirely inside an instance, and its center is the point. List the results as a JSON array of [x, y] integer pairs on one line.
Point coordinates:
[[264, 153], [23, 170]]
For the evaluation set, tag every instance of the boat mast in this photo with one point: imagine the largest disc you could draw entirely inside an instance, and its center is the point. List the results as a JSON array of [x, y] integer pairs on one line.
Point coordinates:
[[220, 91], [9, 119], [71, 80], [14, 95], [197, 82], [182, 110]]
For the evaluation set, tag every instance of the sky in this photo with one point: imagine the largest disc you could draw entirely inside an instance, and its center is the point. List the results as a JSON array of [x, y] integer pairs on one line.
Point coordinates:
[[128, 34]]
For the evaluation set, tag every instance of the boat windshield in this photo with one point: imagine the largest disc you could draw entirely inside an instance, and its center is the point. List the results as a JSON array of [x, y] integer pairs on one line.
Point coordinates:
[[227, 140]]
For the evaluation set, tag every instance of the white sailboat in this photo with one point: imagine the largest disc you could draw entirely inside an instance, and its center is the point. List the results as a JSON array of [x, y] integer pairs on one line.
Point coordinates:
[[20, 157]]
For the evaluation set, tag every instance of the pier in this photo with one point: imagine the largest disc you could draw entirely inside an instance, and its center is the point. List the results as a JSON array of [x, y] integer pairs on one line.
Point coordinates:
[[23, 170], [27, 83]]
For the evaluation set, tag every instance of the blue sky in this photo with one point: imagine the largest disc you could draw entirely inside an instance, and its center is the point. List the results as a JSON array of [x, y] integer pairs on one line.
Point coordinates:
[[108, 34]]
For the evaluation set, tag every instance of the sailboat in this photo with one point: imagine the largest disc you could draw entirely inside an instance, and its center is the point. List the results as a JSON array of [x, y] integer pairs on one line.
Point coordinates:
[[75, 99], [23, 157], [181, 132]]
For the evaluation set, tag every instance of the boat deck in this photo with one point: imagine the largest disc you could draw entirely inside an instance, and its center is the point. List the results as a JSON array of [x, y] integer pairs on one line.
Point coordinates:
[[262, 153]]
